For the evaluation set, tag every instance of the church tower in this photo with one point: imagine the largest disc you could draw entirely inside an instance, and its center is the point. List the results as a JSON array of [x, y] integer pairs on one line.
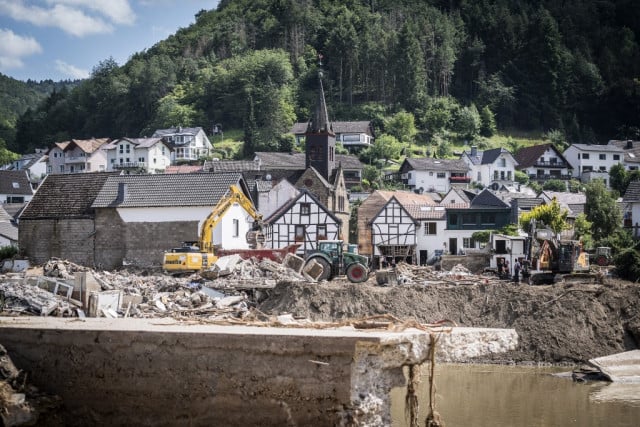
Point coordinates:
[[320, 139]]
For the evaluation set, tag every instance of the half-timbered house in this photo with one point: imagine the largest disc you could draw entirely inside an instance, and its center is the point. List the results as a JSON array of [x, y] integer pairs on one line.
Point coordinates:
[[303, 220], [393, 233]]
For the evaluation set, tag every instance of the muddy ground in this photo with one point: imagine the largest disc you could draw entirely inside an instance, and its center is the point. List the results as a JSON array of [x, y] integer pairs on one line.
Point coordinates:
[[555, 323]]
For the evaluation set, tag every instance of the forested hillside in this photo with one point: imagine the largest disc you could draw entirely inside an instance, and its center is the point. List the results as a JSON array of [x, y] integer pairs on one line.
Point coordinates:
[[463, 65]]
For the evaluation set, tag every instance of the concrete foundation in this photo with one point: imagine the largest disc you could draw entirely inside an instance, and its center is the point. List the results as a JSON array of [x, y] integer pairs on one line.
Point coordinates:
[[161, 372]]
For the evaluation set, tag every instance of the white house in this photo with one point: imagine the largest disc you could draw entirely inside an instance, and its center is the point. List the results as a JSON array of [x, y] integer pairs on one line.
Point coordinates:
[[187, 143], [631, 152], [506, 250], [490, 167], [429, 174], [77, 156], [35, 164], [146, 155], [393, 233], [631, 202], [274, 196], [543, 162], [593, 161]]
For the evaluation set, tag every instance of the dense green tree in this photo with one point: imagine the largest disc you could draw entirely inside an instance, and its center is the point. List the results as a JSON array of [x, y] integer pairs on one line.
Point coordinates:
[[582, 230], [550, 215], [410, 74], [467, 122], [487, 122], [402, 126], [602, 209], [618, 179]]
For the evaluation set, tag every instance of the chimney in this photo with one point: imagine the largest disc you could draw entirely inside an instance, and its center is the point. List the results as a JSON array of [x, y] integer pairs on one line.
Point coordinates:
[[474, 150], [629, 144], [122, 192]]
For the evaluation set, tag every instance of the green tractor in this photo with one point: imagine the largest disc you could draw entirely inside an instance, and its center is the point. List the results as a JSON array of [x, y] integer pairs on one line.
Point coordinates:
[[334, 261]]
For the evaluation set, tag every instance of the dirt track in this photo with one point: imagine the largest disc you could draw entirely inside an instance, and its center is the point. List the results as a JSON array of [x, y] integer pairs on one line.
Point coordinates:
[[560, 323]]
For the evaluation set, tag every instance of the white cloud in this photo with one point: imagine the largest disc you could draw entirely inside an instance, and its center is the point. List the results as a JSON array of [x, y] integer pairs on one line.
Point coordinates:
[[13, 47], [71, 70], [71, 20], [117, 11]]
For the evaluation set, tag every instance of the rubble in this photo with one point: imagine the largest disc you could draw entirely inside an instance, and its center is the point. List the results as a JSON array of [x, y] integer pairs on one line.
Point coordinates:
[[228, 290]]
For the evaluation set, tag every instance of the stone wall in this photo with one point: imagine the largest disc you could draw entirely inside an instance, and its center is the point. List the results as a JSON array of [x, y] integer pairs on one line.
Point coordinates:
[[70, 239]]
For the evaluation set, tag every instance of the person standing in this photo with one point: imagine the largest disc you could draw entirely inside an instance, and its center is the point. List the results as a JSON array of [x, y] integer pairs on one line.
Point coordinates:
[[516, 272]]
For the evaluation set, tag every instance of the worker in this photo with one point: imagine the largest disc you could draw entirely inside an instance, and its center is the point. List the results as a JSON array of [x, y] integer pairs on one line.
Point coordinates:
[[500, 267], [516, 272]]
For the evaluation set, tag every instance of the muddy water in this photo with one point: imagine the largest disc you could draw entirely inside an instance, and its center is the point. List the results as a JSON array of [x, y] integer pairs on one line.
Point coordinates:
[[508, 396]]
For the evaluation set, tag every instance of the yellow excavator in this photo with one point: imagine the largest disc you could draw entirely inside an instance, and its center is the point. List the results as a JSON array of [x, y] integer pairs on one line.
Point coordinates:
[[196, 256]]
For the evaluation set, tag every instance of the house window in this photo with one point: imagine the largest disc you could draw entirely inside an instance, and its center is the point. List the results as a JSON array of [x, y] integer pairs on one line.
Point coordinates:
[[299, 237], [616, 157], [495, 175], [429, 228], [236, 227], [488, 218], [15, 199], [163, 150], [341, 203], [61, 168], [121, 146], [141, 159], [453, 219], [603, 168], [468, 218], [468, 243], [113, 161], [502, 163], [305, 208], [602, 156], [585, 155], [441, 175], [322, 232], [587, 168], [128, 148]]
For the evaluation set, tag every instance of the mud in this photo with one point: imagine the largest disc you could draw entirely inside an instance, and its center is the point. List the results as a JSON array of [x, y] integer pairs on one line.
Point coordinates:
[[566, 323]]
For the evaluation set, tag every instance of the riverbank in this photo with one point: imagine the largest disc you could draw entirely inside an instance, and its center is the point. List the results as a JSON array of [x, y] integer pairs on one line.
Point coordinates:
[[563, 323]]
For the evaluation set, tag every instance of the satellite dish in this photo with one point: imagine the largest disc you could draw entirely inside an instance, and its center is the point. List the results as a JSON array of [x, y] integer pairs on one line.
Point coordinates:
[[267, 177]]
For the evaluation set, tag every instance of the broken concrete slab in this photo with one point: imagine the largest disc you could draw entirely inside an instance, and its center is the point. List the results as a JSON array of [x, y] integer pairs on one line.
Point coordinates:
[[236, 375], [621, 367], [294, 262], [313, 269]]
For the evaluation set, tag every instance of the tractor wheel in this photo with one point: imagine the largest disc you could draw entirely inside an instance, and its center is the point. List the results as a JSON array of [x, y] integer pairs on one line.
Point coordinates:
[[357, 273], [326, 268], [602, 260]]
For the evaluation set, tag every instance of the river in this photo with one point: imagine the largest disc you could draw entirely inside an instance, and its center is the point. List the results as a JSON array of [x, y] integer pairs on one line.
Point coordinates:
[[519, 396]]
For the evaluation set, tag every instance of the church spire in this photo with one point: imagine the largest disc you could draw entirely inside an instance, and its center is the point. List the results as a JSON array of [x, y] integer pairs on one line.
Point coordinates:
[[320, 121]]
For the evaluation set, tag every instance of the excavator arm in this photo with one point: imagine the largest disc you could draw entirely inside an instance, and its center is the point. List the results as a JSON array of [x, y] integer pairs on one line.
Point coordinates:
[[235, 195]]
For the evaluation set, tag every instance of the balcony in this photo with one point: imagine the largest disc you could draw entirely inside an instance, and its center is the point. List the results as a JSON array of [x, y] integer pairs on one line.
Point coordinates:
[[459, 179], [564, 177], [548, 164], [75, 159], [129, 165]]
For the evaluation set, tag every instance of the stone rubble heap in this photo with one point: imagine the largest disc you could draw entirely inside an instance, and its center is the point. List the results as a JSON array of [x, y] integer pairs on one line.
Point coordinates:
[[229, 290]]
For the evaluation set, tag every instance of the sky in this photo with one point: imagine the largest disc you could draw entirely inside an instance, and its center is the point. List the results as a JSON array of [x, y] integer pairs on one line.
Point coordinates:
[[66, 39]]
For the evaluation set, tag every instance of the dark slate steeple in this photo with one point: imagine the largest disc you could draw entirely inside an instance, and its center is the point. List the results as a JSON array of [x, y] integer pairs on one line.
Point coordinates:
[[320, 139]]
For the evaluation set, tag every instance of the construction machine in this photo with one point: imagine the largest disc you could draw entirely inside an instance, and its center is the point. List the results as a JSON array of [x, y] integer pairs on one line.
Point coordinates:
[[552, 260], [602, 256], [200, 255], [334, 261]]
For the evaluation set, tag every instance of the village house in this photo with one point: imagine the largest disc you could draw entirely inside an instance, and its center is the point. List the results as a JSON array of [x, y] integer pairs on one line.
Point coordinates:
[[543, 162], [592, 161], [107, 220], [77, 156], [138, 217], [358, 134], [490, 168], [302, 220], [429, 174], [15, 186], [631, 149], [506, 250], [380, 241], [34, 163], [485, 211], [138, 155], [186, 144]]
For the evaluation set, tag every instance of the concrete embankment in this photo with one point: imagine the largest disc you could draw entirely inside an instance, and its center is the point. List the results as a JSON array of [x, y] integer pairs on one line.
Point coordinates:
[[162, 372]]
